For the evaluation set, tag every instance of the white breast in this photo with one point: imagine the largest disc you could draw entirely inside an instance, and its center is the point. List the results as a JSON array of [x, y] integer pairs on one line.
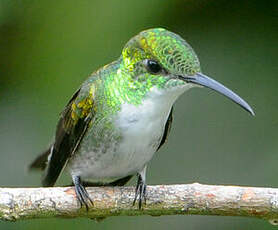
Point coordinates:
[[141, 129], [143, 126]]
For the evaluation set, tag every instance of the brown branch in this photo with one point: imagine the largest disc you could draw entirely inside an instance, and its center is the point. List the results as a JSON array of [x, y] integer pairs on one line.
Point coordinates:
[[196, 199]]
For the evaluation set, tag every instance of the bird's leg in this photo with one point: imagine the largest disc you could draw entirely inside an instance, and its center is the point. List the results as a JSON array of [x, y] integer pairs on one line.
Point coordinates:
[[81, 193], [140, 191]]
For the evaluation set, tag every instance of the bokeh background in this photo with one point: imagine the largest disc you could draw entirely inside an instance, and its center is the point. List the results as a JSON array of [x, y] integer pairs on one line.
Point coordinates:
[[47, 48]]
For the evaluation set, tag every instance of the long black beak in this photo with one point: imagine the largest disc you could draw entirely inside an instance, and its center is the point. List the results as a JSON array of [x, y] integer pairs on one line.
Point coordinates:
[[201, 79]]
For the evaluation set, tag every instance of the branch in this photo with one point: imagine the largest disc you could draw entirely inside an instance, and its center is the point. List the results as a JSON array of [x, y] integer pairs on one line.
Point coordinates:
[[193, 199]]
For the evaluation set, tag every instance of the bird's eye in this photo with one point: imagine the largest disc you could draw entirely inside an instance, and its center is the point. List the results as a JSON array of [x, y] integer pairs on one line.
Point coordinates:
[[152, 66]]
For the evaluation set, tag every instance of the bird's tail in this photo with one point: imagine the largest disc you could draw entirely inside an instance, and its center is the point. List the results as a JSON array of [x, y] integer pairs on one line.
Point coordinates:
[[40, 162]]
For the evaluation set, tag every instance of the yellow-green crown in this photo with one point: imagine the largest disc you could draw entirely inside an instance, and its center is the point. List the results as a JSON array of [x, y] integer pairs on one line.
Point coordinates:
[[169, 49]]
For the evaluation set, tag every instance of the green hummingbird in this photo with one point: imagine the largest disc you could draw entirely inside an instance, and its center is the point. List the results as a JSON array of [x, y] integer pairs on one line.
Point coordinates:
[[122, 114]]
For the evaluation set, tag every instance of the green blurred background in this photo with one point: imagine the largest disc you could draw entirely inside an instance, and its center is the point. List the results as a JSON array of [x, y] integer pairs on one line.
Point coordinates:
[[47, 48]]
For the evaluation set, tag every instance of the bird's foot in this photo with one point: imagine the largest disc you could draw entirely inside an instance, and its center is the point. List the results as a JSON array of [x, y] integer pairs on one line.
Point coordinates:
[[81, 193], [140, 192]]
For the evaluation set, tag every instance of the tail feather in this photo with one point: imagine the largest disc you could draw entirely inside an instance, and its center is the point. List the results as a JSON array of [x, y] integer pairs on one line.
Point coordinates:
[[40, 162]]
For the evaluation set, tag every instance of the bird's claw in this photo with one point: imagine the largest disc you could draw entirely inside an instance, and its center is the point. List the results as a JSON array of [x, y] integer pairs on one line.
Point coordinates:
[[140, 192], [82, 195]]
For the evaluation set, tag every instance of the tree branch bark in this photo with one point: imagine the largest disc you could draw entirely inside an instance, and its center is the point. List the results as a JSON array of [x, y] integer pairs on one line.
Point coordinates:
[[189, 199]]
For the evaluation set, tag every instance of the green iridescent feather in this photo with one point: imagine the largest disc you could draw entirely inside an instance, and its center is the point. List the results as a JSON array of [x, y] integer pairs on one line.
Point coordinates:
[[127, 81]]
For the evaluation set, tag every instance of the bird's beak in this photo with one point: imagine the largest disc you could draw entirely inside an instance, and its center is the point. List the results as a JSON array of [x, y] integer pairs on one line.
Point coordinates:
[[201, 79]]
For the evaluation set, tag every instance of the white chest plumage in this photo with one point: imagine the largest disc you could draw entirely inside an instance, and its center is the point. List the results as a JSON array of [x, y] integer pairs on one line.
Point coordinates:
[[141, 128]]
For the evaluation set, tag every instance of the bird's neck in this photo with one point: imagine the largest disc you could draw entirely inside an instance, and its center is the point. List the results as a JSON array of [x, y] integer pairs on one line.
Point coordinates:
[[117, 86], [130, 86]]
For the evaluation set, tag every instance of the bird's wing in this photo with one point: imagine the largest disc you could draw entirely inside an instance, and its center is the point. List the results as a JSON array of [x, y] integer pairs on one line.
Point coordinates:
[[166, 129], [73, 123]]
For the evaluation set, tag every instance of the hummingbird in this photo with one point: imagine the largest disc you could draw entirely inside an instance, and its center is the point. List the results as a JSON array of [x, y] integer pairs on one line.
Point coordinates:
[[122, 114]]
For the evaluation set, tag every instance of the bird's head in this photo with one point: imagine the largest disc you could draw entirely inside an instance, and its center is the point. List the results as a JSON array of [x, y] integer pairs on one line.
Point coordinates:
[[162, 59]]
